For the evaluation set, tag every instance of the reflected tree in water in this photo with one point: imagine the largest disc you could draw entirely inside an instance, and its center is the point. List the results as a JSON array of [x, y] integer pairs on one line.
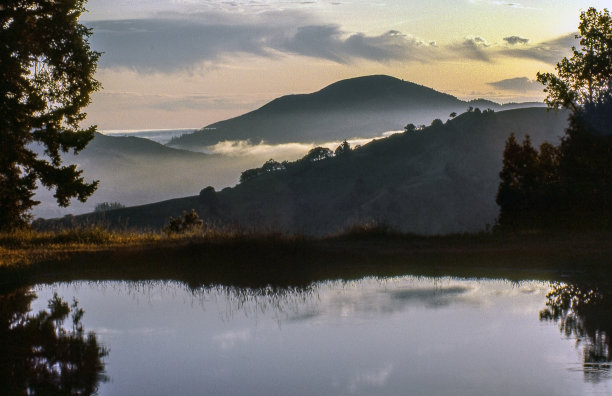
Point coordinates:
[[584, 312], [39, 355]]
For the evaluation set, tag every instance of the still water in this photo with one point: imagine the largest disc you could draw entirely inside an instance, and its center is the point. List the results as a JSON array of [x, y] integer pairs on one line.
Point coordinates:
[[404, 335]]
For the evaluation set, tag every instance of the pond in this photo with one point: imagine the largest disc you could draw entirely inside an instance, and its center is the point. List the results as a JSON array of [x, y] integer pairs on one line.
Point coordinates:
[[400, 335]]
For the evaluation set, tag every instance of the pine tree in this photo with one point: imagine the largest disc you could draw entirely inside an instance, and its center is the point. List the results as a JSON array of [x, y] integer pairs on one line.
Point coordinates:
[[46, 78]]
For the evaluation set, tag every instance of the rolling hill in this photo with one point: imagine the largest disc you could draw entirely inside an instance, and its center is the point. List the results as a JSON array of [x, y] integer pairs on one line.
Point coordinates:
[[358, 107], [135, 171], [437, 180]]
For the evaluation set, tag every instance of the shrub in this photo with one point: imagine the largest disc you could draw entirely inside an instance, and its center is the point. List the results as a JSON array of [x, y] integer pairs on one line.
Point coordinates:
[[189, 223]]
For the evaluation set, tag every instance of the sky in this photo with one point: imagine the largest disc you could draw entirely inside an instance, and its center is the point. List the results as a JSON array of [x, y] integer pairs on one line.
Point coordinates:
[[189, 63]]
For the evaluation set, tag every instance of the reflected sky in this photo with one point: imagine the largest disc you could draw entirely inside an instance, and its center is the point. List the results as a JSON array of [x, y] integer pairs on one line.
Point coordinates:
[[373, 336]]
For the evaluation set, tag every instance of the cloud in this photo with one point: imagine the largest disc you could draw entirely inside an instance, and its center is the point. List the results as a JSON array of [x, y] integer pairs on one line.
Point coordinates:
[[171, 42], [166, 45], [519, 84], [472, 47], [512, 40], [550, 51], [329, 42]]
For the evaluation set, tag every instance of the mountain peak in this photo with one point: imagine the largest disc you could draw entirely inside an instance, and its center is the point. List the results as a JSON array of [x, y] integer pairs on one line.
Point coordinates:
[[379, 86]]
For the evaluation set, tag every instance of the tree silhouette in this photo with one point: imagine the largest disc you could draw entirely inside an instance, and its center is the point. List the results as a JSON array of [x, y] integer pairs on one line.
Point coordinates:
[[437, 123], [571, 185], [46, 78], [583, 84], [410, 128], [516, 190], [318, 154], [343, 149], [586, 77], [249, 174], [272, 166]]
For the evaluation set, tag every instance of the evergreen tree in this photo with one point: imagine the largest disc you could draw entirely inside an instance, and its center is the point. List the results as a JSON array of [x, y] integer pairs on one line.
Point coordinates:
[[46, 78]]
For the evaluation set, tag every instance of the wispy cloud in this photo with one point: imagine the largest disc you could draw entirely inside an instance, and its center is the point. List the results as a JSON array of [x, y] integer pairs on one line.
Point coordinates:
[[166, 45], [518, 84], [168, 102], [472, 47], [550, 51], [329, 42], [510, 4]]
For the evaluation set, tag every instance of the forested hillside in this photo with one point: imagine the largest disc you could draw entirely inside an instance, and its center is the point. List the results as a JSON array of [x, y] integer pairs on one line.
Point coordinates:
[[440, 179]]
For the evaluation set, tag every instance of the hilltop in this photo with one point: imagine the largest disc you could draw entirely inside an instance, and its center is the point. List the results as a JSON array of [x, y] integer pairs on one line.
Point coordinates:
[[358, 107]]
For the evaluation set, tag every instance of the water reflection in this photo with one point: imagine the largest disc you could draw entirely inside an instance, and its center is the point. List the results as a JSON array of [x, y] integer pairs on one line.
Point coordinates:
[[39, 355], [414, 335], [279, 303], [584, 312]]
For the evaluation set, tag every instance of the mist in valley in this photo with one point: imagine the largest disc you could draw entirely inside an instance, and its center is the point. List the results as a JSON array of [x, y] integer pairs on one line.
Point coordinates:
[[135, 170]]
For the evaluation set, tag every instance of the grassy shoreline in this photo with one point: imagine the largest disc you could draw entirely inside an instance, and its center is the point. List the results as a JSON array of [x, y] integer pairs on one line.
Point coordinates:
[[257, 260]]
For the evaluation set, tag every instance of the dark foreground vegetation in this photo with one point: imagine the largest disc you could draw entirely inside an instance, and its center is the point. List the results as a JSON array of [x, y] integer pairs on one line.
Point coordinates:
[[568, 186], [258, 260]]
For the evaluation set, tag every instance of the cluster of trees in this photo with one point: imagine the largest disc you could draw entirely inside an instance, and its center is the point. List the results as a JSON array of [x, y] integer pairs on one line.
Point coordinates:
[[570, 185], [314, 155]]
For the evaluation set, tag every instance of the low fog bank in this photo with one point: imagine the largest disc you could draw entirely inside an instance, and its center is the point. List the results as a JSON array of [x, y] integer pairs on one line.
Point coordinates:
[[136, 171]]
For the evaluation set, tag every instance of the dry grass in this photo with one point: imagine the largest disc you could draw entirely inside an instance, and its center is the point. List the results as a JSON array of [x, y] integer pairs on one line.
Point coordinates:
[[242, 257], [25, 247]]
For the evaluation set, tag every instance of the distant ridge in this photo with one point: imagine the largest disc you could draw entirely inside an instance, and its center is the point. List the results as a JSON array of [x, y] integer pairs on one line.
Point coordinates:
[[357, 107], [441, 179]]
